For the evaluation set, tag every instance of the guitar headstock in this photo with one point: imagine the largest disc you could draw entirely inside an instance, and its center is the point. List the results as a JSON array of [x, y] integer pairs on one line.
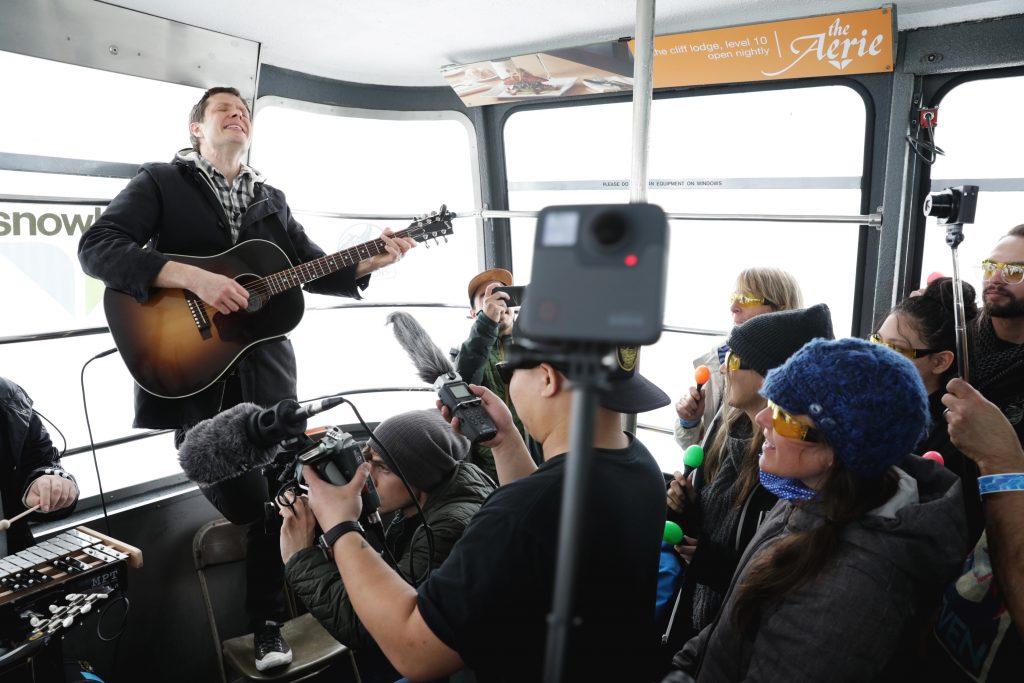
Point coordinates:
[[431, 226]]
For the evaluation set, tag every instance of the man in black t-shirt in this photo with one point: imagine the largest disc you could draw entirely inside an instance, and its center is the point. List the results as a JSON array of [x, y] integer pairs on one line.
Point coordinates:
[[485, 608]]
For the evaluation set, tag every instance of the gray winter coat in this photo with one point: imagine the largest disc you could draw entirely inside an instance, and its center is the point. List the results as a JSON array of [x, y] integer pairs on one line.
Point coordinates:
[[449, 508], [846, 624]]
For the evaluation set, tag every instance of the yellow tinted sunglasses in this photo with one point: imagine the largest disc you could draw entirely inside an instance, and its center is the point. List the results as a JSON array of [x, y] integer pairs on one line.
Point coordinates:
[[903, 351], [786, 425], [1012, 273], [748, 300], [733, 362]]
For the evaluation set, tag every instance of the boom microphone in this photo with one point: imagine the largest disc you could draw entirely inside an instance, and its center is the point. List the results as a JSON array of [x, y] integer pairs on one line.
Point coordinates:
[[430, 362], [316, 407], [435, 368], [222, 447]]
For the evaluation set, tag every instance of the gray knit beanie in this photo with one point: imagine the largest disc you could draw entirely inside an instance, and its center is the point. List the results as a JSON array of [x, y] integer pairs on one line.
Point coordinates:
[[766, 341], [425, 446]]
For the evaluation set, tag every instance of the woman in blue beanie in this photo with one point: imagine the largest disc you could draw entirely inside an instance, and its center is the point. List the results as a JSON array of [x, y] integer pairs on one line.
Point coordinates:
[[863, 540]]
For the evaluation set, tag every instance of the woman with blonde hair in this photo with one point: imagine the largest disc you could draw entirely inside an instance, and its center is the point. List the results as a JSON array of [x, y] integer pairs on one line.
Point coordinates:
[[758, 290]]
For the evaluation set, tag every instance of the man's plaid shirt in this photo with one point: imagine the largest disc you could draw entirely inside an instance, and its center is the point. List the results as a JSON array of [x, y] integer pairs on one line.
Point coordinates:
[[236, 197]]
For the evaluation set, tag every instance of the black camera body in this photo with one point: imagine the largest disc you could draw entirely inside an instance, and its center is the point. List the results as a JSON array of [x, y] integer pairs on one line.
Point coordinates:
[[599, 274], [515, 295], [953, 205], [335, 459], [474, 422]]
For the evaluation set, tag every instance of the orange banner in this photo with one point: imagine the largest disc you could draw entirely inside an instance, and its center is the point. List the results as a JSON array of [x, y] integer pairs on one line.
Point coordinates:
[[829, 45]]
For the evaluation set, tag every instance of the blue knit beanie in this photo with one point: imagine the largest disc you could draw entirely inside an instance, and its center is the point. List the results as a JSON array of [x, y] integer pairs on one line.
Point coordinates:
[[867, 400]]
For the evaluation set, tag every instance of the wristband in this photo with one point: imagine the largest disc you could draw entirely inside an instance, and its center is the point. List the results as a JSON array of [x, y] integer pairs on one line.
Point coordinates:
[[688, 424], [331, 536], [994, 483]]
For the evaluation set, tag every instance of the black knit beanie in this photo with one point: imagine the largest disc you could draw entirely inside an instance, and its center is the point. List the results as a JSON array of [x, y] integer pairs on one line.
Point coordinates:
[[425, 446], [767, 340]]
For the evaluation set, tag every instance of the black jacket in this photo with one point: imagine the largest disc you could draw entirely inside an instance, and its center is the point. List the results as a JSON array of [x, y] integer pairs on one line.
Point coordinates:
[[25, 454], [171, 209]]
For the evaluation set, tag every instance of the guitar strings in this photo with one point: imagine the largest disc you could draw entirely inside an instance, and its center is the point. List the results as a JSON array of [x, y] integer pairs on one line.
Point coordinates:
[[325, 265]]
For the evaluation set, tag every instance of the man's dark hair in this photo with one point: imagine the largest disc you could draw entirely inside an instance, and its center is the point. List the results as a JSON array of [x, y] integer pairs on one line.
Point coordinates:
[[199, 110], [1016, 231]]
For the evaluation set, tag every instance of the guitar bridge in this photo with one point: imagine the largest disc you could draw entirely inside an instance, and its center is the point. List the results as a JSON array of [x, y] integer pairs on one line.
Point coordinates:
[[199, 314]]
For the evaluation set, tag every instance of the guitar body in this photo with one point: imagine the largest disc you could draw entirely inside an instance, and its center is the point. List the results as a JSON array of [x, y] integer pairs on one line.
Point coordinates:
[[175, 345]]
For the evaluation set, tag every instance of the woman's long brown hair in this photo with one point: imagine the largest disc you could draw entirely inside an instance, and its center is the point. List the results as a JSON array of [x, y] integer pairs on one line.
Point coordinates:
[[798, 557], [748, 473]]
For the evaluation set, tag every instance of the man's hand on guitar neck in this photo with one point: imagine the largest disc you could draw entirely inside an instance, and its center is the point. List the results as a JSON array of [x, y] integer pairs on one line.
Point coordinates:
[[221, 292], [396, 248]]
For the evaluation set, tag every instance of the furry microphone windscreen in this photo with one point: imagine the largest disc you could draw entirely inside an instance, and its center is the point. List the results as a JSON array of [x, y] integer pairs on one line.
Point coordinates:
[[220, 447], [429, 360]]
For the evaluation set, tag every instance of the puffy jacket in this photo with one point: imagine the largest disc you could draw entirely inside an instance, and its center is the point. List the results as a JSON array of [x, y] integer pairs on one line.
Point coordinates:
[[449, 508], [170, 208], [846, 624]]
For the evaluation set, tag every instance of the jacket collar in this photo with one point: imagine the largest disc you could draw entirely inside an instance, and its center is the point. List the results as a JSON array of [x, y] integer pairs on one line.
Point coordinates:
[[189, 156]]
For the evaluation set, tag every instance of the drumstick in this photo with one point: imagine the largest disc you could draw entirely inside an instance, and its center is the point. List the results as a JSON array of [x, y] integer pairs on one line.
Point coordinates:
[[5, 524]]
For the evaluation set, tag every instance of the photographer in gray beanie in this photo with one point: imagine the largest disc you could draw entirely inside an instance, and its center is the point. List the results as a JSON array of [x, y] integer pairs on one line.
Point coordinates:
[[449, 490], [425, 446]]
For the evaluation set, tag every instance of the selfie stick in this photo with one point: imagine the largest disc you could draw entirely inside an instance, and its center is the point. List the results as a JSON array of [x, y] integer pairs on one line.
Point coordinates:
[[954, 236], [589, 374], [953, 207]]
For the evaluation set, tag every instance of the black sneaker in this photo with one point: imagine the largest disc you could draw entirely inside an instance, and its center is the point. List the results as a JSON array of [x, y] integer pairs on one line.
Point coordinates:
[[270, 646]]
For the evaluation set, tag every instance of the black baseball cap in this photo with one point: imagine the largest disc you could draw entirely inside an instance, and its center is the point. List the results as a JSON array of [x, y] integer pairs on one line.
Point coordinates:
[[629, 391]]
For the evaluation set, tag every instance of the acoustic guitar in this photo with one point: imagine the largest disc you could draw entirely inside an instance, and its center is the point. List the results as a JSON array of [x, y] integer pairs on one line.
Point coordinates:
[[175, 345]]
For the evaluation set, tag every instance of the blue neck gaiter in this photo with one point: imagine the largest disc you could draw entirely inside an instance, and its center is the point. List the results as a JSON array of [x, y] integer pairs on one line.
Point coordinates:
[[787, 489]]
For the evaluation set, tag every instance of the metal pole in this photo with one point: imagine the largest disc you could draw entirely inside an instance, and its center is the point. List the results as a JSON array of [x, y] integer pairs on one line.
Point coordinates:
[[579, 463], [871, 219], [643, 58], [954, 236]]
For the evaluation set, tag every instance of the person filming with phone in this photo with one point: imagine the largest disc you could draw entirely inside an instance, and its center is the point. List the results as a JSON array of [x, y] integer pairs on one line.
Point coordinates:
[[491, 298]]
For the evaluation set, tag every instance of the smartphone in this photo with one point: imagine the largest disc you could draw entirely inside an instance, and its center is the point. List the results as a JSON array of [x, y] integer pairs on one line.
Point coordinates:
[[515, 295]]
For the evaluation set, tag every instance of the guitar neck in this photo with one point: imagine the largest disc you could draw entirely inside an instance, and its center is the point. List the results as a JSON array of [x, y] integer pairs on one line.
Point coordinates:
[[323, 266]]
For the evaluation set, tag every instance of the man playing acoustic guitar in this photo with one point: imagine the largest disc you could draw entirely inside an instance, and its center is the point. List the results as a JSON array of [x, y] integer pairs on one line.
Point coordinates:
[[201, 204]]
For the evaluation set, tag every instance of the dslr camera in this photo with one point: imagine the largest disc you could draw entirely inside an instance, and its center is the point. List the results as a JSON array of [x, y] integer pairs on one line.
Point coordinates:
[[954, 205], [599, 274], [335, 459]]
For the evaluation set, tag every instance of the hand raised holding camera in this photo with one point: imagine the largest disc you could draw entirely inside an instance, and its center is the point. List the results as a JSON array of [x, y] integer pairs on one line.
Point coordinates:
[[495, 304]]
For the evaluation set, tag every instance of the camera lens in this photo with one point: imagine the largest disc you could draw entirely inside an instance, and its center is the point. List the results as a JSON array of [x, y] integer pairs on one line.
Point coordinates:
[[940, 204], [609, 228]]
